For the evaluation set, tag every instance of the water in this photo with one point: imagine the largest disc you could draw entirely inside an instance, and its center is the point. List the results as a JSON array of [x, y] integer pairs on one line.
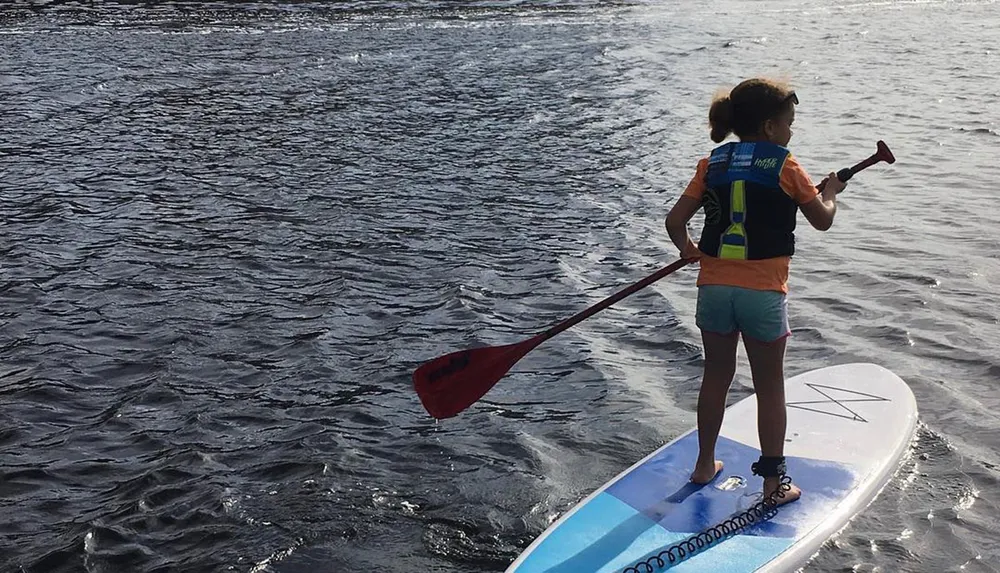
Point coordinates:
[[230, 233]]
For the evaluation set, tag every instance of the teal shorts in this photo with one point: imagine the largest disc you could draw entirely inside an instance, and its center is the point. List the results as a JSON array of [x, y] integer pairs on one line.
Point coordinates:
[[758, 314]]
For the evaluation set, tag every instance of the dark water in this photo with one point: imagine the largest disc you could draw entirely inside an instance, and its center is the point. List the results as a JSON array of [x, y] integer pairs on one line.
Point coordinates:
[[231, 232]]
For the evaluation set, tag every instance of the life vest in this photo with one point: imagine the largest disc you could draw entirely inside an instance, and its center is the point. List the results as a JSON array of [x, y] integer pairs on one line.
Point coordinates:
[[747, 214]]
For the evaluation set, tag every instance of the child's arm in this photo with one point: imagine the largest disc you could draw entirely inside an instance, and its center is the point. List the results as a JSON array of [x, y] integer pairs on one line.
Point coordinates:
[[820, 211], [684, 209], [818, 208], [677, 220]]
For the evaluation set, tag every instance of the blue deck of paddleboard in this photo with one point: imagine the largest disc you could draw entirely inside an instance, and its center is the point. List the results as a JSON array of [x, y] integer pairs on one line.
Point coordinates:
[[655, 505]]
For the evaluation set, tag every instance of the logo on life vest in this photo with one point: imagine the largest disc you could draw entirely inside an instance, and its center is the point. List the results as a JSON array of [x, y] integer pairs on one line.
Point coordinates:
[[766, 163]]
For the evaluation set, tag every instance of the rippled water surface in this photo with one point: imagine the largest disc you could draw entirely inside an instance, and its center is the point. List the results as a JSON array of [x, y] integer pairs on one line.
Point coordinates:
[[230, 233]]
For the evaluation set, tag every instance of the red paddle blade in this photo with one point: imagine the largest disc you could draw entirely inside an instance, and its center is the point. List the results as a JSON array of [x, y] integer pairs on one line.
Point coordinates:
[[884, 154], [453, 382]]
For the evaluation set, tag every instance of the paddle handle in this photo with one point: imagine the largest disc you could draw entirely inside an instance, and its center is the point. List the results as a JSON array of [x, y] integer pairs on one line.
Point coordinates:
[[883, 154], [585, 314], [846, 173]]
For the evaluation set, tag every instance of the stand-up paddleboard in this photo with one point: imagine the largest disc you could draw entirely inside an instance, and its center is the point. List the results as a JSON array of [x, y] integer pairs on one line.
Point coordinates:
[[848, 428]]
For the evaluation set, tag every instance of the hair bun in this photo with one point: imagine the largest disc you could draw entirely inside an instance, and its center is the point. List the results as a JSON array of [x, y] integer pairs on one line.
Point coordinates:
[[720, 118]]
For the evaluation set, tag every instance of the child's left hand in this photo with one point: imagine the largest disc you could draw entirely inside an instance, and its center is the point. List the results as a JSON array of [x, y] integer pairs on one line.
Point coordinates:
[[691, 252]]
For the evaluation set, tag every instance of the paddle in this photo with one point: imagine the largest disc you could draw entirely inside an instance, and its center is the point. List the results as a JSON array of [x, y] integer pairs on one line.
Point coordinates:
[[451, 383]]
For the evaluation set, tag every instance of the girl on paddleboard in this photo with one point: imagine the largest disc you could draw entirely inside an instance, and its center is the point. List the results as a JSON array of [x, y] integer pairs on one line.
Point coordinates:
[[751, 191]]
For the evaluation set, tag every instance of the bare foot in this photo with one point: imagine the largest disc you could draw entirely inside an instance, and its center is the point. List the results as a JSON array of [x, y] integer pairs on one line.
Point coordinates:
[[704, 474], [772, 485]]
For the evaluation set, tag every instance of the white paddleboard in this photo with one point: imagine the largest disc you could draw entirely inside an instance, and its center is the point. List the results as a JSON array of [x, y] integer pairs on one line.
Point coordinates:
[[849, 426]]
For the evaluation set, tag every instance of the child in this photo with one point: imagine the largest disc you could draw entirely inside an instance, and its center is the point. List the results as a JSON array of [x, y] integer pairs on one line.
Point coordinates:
[[751, 192]]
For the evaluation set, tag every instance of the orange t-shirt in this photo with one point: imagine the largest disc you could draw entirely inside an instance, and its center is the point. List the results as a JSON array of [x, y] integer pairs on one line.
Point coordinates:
[[760, 274]]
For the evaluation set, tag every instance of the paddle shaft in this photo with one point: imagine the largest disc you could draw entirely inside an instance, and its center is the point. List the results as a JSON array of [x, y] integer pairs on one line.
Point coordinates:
[[585, 314]]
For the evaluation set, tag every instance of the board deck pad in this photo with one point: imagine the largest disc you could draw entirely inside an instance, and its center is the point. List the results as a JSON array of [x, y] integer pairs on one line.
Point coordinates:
[[848, 428]]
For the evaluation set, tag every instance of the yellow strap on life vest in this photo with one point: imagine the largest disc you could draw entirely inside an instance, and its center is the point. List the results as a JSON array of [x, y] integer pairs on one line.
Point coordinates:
[[737, 217]]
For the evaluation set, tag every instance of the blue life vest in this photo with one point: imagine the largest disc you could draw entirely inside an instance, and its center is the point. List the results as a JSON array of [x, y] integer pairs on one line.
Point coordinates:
[[747, 214]]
